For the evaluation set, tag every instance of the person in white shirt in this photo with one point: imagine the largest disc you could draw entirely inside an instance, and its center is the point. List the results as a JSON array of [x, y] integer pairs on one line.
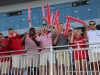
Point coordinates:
[[93, 36]]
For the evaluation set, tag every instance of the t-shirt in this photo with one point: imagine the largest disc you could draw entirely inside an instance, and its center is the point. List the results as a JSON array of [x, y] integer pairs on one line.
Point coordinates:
[[79, 40], [61, 41], [30, 44], [5, 51], [46, 40], [15, 45], [93, 38]]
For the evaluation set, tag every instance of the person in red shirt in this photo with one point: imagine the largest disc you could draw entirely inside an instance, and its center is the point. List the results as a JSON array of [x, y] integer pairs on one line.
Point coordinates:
[[4, 61], [15, 41], [80, 54]]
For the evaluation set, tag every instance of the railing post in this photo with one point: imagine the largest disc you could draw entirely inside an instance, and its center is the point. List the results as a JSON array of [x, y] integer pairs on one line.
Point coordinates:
[[51, 63]]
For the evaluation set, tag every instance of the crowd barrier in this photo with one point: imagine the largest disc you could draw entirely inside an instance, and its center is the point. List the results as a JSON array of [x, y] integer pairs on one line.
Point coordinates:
[[57, 60]]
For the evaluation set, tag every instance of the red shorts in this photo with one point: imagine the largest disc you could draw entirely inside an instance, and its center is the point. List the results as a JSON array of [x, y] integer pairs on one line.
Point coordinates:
[[4, 59], [80, 54]]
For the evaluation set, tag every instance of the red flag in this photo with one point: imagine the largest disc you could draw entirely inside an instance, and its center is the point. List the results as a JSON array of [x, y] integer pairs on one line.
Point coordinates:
[[29, 18], [67, 27], [57, 27], [76, 20], [56, 17], [48, 18], [44, 18], [56, 22], [48, 11]]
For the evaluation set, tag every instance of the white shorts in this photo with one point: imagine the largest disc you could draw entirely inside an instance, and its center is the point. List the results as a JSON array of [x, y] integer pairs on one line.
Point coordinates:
[[4, 67], [32, 60], [94, 54], [94, 57], [18, 61], [44, 56]]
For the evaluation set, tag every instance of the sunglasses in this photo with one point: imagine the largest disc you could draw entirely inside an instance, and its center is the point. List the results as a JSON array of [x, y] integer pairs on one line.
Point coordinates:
[[92, 24]]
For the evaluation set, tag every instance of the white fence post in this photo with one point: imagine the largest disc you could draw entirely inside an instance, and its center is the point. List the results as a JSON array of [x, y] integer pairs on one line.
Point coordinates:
[[51, 63]]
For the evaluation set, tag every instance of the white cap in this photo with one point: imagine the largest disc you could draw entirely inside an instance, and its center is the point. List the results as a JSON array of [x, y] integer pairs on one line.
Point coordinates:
[[71, 28]]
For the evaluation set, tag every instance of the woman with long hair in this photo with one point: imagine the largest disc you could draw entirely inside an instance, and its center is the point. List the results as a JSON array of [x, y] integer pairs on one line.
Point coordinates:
[[79, 53]]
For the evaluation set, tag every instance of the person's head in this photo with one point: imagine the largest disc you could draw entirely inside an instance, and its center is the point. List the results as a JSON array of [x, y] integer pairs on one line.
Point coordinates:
[[11, 31], [44, 28], [70, 32], [92, 25], [61, 27], [32, 31], [77, 32], [1, 36], [38, 31]]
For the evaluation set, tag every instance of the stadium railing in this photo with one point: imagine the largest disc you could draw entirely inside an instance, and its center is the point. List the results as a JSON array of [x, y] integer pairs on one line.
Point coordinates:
[[34, 61]]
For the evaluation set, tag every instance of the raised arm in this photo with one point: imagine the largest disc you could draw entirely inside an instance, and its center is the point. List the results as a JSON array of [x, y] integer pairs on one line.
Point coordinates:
[[55, 39], [55, 35], [24, 38], [85, 32], [71, 39], [52, 29], [85, 41], [17, 34]]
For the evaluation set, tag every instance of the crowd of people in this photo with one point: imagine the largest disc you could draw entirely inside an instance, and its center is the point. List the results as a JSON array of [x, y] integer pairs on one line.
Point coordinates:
[[22, 51]]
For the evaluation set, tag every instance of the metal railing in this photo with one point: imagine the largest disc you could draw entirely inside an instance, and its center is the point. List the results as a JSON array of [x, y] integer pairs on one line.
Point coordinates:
[[58, 60]]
